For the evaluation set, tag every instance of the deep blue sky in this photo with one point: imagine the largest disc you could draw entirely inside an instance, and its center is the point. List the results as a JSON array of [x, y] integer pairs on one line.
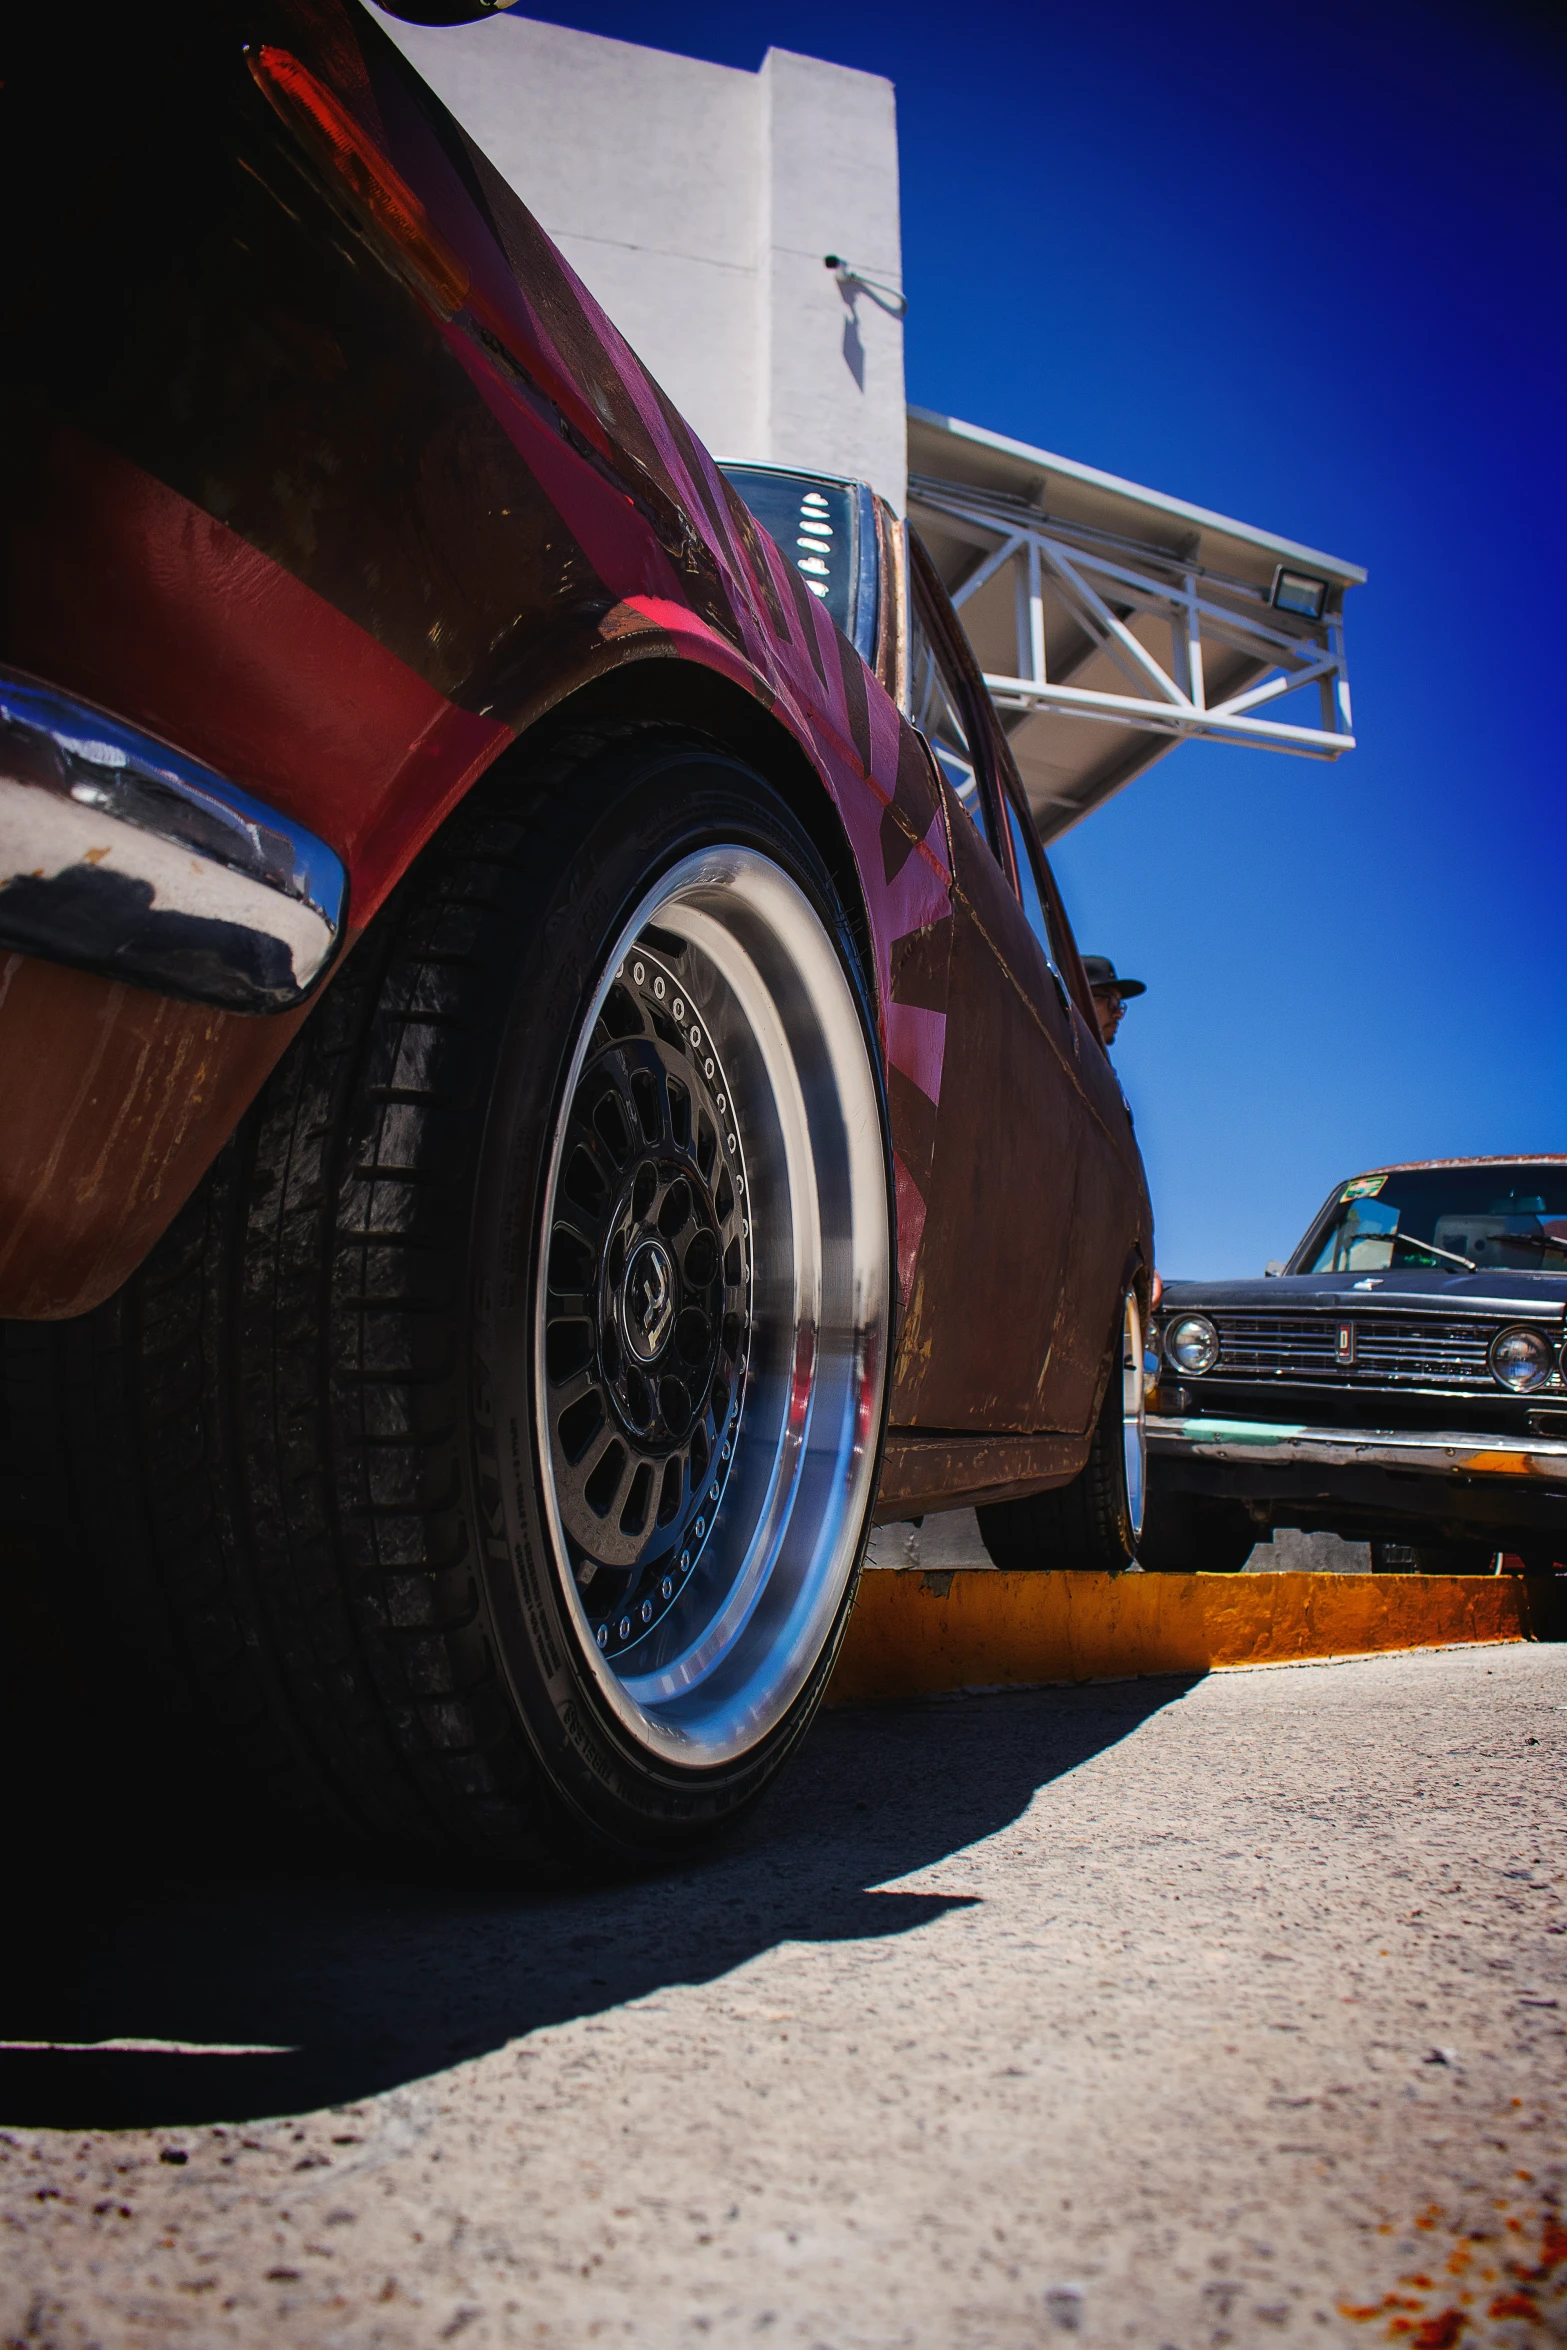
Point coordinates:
[[1307, 269]]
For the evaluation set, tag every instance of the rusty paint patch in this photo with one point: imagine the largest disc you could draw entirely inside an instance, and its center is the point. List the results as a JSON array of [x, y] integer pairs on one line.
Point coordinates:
[[1485, 2281]]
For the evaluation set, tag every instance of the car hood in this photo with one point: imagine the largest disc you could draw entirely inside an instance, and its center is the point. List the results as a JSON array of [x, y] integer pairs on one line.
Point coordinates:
[[1480, 1294]]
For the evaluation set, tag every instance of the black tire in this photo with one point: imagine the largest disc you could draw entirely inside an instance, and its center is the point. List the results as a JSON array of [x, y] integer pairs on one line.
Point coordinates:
[[1194, 1534], [1093, 1524], [324, 1402], [1433, 1558]]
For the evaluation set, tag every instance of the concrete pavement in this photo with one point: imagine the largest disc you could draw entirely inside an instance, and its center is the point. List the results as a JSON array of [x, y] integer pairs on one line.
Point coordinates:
[[1162, 2013]]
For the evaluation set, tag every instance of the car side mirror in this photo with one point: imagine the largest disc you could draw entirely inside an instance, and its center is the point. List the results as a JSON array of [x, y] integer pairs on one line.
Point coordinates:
[[1272, 1269]]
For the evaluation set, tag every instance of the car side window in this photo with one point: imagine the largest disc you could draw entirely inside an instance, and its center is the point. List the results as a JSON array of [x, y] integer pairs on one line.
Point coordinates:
[[1035, 912], [1028, 883], [938, 707]]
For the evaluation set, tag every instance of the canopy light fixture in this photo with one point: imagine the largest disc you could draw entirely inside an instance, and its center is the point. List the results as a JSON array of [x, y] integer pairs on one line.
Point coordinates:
[[1297, 591]]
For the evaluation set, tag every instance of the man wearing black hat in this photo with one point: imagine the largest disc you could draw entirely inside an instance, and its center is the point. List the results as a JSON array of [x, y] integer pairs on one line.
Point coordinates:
[[1110, 994]]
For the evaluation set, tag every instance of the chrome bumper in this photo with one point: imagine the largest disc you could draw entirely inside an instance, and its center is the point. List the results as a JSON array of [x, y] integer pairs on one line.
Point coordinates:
[[120, 855], [1439, 1453]]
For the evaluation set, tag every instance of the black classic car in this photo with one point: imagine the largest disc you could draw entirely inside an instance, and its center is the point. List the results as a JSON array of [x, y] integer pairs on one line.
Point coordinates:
[[1401, 1381]]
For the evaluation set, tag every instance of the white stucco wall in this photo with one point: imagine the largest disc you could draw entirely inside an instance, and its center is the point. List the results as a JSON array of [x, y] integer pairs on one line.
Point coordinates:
[[833, 371], [697, 202]]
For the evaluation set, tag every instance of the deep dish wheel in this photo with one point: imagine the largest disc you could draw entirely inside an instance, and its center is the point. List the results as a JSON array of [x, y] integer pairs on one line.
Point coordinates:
[[710, 1328], [502, 1419]]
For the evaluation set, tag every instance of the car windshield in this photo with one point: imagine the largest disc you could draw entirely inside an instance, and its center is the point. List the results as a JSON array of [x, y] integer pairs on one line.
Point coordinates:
[[1444, 1220]]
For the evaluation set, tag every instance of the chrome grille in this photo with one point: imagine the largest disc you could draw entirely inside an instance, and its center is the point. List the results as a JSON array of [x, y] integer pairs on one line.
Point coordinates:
[[1274, 1346], [1431, 1354], [1420, 1351]]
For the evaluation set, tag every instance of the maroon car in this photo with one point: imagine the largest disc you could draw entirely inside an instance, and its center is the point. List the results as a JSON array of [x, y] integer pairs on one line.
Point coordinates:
[[546, 1078]]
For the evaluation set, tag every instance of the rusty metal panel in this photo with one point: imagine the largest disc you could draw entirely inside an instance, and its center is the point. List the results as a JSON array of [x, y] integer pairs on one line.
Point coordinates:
[[933, 1472], [998, 1285], [1032, 1212], [1112, 1236], [116, 1103], [975, 1343]]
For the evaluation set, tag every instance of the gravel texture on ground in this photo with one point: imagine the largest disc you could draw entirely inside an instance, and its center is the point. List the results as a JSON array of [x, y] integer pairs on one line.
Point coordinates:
[[1158, 2013]]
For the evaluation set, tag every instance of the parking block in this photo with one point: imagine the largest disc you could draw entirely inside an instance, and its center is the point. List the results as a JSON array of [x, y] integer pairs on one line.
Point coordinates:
[[916, 1634]]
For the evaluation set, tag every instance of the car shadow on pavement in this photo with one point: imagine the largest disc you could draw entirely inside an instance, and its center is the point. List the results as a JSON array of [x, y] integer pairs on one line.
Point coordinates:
[[158, 1907]]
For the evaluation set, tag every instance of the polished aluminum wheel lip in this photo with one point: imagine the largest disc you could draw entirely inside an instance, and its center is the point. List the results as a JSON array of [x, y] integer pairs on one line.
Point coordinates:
[[812, 1427], [1134, 1415]]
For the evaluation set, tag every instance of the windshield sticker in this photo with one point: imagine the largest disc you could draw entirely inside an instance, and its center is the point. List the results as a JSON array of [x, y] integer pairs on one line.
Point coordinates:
[[1363, 1187]]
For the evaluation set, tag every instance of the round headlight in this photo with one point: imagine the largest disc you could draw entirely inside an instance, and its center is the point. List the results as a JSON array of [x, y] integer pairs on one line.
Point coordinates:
[[1191, 1344], [1521, 1358]]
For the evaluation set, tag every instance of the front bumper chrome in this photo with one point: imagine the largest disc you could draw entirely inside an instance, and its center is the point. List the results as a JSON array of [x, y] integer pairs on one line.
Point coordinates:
[[122, 856], [1435, 1453]]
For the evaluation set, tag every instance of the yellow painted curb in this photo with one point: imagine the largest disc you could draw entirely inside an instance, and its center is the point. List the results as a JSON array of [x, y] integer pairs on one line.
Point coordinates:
[[914, 1634]]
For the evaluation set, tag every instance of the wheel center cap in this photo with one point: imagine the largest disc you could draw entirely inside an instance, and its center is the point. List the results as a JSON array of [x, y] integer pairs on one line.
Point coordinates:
[[647, 1299]]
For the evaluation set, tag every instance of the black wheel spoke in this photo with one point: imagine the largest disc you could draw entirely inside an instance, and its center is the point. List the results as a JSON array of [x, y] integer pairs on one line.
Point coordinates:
[[647, 1301], [566, 1392]]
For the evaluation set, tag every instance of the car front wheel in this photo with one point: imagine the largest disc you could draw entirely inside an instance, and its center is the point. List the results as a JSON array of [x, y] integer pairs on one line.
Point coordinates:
[[504, 1415]]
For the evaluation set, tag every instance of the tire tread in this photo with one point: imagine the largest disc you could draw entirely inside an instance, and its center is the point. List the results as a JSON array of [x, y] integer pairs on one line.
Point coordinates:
[[272, 1414]]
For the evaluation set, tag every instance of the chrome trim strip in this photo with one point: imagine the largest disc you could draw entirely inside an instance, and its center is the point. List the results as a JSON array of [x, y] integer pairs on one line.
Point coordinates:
[[1443, 1452], [867, 583], [122, 856]]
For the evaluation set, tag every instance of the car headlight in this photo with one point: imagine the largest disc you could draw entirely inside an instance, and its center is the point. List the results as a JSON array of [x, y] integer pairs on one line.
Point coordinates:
[[1521, 1358], [1191, 1344]]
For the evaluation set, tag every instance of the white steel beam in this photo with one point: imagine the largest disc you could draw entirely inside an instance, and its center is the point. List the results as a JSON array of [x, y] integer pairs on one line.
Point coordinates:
[[1076, 701], [1100, 583]]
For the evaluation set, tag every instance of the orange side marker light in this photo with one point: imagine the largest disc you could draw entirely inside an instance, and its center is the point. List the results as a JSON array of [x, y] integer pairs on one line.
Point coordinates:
[[327, 130]]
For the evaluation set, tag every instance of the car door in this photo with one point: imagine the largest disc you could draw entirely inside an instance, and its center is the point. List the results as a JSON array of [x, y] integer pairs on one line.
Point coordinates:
[[1110, 1218], [979, 1345]]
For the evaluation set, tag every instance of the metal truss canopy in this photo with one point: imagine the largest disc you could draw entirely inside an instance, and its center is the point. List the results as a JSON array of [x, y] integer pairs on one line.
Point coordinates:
[[1112, 623]]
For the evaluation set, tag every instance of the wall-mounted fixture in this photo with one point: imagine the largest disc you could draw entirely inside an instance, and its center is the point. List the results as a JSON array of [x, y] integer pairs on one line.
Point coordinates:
[[892, 299]]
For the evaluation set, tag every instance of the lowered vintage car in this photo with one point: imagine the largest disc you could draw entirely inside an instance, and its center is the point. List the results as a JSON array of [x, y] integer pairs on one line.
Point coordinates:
[[1402, 1381], [546, 1077]]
